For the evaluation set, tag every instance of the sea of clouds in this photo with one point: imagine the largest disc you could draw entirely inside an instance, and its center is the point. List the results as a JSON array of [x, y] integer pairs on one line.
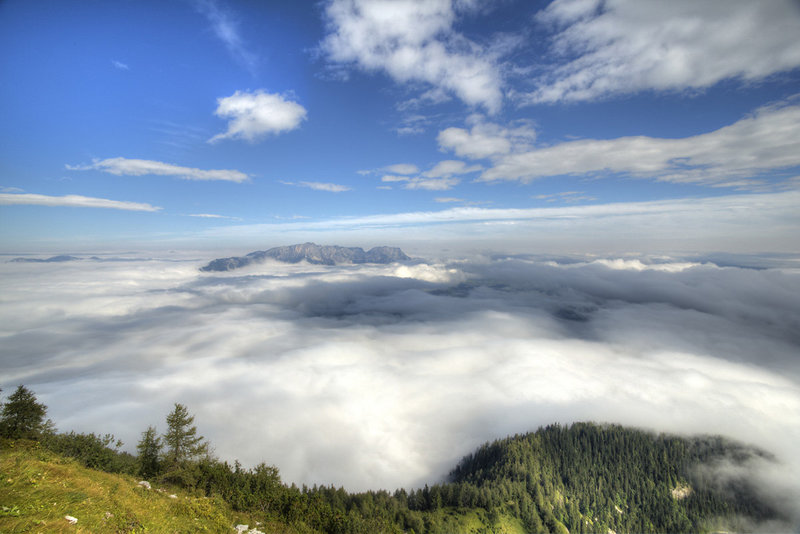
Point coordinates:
[[382, 376]]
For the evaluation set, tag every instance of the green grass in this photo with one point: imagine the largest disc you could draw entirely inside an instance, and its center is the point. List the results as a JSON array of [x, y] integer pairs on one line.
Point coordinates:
[[475, 521], [39, 488]]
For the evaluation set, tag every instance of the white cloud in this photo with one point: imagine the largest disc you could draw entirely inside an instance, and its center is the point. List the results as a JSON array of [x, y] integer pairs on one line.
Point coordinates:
[[226, 29], [140, 167], [627, 46], [254, 115], [413, 41], [432, 184], [565, 196], [73, 201], [119, 65], [412, 125], [402, 168], [324, 186], [765, 141], [11, 190], [448, 199], [449, 167], [213, 216], [394, 178], [440, 182], [440, 177], [321, 186], [486, 139]]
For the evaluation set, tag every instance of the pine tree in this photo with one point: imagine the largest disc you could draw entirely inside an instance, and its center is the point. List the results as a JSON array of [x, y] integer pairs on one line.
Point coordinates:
[[182, 442], [149, 448], [22, 416]]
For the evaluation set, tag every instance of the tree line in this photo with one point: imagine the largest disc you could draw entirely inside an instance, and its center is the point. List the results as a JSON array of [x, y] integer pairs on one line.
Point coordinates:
[[578, 478]]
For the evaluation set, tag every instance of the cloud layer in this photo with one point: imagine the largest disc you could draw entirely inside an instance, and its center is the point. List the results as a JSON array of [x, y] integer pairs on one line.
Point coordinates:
[[253, 115], [141, 167], [383, 376]]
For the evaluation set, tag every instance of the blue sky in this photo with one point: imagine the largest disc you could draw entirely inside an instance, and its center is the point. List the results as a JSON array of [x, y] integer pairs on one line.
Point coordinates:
[[219, 123]]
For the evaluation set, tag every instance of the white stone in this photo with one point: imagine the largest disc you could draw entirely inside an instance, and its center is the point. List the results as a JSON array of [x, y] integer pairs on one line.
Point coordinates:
[[70, 519]]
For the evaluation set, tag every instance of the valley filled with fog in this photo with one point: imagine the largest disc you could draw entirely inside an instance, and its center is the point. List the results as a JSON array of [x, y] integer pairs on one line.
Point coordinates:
[[382, 376]]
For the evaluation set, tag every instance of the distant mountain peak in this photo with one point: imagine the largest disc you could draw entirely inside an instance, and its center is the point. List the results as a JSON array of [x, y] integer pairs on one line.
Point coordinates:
[[312, 253]]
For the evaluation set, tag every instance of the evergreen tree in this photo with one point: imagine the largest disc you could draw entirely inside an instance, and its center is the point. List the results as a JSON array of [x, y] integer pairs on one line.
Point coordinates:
[[22, 416], [149, 449], [182, 442]]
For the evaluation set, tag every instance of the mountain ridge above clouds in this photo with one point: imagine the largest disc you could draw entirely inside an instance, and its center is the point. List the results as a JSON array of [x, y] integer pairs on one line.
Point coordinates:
[[312, 253]]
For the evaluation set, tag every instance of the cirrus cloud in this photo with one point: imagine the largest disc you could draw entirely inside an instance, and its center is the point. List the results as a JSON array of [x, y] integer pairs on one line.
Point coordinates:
[[141, 167], [321, 186], [73, 201]]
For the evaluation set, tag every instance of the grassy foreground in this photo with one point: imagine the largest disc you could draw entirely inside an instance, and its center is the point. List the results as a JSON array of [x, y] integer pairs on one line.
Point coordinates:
[[39, 488]]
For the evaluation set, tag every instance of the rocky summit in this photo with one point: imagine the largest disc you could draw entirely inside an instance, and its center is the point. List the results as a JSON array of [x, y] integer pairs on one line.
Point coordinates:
[[312, 253]]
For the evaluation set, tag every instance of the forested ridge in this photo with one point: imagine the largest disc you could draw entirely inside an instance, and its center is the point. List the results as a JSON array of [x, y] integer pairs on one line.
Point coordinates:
[[576, 478]]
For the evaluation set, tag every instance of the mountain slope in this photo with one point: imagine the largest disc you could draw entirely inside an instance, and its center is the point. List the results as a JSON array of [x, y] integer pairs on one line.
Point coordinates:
[[593, 478], [38, 489], [312, 253], [565, 479]]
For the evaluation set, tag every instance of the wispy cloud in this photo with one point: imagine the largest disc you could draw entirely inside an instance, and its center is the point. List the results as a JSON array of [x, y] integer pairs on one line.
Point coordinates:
[[141, 167], [440, 177], [11, 190], [442, 183], [73, 201], [324, 186], [629, 46], [119, 65], [320, 186], [254, 115], [570, 197], [401, 168], [213, 216], [226, 28], [451, 167]]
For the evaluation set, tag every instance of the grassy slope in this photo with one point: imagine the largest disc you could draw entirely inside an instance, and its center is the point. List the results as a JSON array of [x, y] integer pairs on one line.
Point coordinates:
[[39, 488]]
